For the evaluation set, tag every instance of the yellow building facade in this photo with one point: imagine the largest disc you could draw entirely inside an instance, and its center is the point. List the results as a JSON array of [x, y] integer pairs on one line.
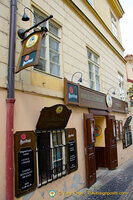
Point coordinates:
[[83, 38]]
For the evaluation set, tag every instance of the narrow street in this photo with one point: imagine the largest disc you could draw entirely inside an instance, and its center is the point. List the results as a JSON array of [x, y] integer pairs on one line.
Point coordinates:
[[110, 185]]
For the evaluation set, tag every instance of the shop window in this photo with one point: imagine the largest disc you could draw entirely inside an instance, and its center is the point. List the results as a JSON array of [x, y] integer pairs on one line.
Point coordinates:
[[121, 86], [51, 154], [50, 55], [94, 70], [114, 26], [127, 139]]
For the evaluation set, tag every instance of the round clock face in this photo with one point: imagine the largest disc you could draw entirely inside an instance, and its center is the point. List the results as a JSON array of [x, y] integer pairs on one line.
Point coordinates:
[[32, 41], [109, 100]]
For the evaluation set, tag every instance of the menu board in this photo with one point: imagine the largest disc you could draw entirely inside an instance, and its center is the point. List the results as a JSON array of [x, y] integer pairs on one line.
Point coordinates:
[[72, 149], [72, 157], [26, 168], [25, 162]]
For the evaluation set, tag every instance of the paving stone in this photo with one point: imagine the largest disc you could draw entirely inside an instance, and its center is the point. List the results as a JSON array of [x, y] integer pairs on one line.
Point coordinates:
[[110, 185]]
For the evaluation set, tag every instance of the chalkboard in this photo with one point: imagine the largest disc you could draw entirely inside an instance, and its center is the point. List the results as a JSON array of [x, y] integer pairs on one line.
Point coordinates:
[[25, 162], [26, 168], [72, 157]]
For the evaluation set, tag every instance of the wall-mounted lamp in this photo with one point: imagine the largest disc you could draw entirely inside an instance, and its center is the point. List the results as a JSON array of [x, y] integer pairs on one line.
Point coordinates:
[[80, 79], [23, 33], [113, 92], [129, 92], [25, 17]]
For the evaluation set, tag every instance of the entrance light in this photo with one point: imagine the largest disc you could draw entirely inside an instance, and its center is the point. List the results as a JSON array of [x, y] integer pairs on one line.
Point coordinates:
[[80, 79], [113, 92]]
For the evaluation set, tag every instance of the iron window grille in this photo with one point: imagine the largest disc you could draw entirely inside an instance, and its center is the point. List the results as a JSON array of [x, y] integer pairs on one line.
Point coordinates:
[[51, 156]]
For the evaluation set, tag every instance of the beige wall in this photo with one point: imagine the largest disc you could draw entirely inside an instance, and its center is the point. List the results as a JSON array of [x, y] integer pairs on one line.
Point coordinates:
[[27, 111], [77, 34], [39, 90]]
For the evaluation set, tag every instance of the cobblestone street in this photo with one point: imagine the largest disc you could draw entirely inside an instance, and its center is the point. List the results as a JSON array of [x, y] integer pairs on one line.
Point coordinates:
[[110, 185]]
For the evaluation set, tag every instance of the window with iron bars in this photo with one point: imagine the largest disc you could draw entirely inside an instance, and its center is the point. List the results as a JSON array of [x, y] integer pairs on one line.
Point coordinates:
[[51, 155]]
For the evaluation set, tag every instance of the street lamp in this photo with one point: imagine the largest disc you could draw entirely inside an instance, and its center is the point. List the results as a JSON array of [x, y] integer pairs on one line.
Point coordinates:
[[80, 79], [23, 33], [113, 92], [25, 17]]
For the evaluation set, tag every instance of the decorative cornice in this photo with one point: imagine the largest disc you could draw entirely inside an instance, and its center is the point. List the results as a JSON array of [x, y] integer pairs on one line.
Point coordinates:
[[103, 24], [117, 6], [94, 28]]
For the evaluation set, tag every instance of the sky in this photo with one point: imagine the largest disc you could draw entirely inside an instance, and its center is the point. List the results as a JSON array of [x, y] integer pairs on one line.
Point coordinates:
[[126, 24]]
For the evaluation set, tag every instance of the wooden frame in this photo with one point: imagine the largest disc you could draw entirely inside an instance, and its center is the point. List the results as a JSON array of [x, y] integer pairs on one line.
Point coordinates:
[[25, 162]]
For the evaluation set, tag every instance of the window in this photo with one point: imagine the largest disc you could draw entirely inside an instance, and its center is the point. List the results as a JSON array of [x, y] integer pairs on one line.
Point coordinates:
[[52, 162], [50, 55], [131, 100], [114, 26], [94, 74], [90, 2], [121, 86], [127, 140]]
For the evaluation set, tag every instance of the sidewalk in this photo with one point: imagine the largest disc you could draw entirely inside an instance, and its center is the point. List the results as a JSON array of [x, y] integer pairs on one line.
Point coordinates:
[[110, 185]]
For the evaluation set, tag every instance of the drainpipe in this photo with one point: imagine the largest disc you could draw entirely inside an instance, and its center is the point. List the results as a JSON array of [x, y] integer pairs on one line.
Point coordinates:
[[10, 104]]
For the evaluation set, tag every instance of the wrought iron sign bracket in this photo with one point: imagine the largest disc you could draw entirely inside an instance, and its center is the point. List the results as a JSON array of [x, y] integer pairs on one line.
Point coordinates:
[[22, 33]]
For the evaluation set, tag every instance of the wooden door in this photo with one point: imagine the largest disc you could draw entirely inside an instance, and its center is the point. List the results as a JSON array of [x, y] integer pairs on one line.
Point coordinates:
[[90, 156], [111, 144]]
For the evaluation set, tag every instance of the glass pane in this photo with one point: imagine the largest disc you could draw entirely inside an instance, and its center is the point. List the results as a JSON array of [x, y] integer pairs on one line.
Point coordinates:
[[54, 57], [39, 19], [92, 132], [54, 69], [53, 29], [58, 167], [57, 154], [90, 2], [95, 59], [89, 54], [59, 138], [41, 65], [96, 70], [91, 84], [43, 41], [53, 44], [114, 129], [54, 135], [43, 52]]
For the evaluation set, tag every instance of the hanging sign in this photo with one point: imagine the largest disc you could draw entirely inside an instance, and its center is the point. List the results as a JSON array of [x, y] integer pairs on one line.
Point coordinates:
[[25, 162], [30, 53], [54, 117]]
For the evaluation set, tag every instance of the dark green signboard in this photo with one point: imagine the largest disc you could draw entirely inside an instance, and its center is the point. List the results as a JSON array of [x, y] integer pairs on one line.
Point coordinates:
[[73, 93], [28, 59]]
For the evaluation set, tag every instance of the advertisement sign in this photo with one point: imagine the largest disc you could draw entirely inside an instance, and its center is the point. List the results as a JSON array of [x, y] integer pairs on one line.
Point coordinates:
[[25, 162], [72, 149], [30, 53]]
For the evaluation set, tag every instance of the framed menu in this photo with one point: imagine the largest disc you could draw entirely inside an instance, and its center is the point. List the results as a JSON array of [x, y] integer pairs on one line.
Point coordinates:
[[25, 162], [72, 149]]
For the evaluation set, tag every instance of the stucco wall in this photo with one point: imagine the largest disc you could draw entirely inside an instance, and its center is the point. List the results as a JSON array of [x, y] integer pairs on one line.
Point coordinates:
[[77, 34]]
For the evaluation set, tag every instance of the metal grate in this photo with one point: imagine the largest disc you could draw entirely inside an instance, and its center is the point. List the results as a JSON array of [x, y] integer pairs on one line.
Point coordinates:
[[51, 155]]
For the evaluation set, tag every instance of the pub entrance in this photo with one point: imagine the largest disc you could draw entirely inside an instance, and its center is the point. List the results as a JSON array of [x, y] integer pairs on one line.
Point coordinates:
[[100, 144]]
